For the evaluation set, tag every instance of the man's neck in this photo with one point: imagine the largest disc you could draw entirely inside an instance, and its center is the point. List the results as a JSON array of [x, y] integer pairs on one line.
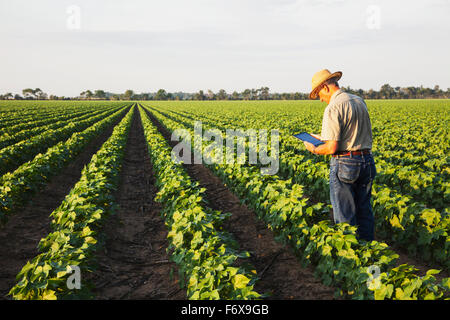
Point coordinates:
[[334, 91]]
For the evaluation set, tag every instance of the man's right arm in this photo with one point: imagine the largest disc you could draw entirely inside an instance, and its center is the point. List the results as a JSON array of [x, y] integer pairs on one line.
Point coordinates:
[[329, 147]]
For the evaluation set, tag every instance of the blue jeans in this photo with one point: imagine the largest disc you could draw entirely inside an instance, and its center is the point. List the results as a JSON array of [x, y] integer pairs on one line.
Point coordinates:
[[351, 179]]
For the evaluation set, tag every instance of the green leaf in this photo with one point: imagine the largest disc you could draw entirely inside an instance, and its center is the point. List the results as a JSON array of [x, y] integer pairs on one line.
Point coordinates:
[[49, 295], [240, 281], [432, 272], [395, 222]]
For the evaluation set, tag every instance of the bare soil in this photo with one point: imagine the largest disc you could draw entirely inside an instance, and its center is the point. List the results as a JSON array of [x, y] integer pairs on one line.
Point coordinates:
[[133, 263]]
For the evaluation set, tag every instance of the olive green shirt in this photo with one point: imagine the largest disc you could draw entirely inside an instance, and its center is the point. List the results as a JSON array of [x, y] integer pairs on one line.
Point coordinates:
[[346, 120]]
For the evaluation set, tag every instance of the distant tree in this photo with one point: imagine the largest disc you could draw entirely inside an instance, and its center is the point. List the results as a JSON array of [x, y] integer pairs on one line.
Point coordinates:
[[100, 94], [264, 93], [34, 94], [235, 95], [200, 95], [128, 94], [222, 95], [41, 95], [28, 93], [360, 92], [411, 92], [285, 96], [180, 96], [161, 95], [254, 94], [276, 96], [211, 95], [437, 92], [86, 94], [247, 93], [89, 94], [387, 91]]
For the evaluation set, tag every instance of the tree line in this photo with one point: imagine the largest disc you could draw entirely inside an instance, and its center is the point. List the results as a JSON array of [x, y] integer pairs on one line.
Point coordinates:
[[386, 92]]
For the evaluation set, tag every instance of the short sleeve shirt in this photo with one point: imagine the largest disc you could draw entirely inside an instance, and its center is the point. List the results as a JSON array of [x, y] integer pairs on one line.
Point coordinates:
[[346, 120]]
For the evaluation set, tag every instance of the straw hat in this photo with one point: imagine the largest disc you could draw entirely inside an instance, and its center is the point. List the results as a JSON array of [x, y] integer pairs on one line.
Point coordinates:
[[319, 78]]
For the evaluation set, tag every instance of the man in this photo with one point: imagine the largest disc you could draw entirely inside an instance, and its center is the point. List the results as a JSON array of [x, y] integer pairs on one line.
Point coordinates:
[[347, 133]]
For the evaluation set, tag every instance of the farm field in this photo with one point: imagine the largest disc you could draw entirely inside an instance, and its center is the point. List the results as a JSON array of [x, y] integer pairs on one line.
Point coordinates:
[[92, 186]]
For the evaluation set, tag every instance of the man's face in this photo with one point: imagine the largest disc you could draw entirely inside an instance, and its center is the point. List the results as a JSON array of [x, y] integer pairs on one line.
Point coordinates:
[[324, 94]]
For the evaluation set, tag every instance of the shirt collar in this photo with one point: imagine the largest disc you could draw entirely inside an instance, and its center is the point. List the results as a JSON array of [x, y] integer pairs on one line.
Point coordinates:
[[335, 95]]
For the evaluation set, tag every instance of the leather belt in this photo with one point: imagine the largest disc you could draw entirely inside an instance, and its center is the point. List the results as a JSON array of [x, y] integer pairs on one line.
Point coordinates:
[[351, 153]]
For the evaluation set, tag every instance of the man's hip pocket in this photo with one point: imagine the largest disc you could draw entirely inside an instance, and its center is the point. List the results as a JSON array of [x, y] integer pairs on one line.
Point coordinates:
[[348, 172]]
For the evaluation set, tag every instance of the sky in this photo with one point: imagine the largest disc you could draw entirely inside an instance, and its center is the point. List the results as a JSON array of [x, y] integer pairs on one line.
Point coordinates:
[[66, 47]]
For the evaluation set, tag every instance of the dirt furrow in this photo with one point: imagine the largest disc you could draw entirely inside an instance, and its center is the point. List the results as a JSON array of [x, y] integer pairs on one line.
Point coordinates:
[[133, 263]]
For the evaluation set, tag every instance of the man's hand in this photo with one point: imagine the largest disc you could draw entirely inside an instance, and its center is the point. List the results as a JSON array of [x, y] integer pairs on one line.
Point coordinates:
[[309, 146]]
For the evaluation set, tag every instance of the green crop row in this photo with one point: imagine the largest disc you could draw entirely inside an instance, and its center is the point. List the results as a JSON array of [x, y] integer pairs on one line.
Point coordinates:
[[75, 224], [41, 119], [204, 254], [14, 155], [16, 186], [37, 127], [13, 118]]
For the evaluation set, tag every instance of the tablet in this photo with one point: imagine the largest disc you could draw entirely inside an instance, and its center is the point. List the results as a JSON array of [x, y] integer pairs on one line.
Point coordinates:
[[304, 136]]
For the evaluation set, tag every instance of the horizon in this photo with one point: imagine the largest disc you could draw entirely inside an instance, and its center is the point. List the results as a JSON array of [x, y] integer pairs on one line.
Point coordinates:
[[271, 94], [66, 47]]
